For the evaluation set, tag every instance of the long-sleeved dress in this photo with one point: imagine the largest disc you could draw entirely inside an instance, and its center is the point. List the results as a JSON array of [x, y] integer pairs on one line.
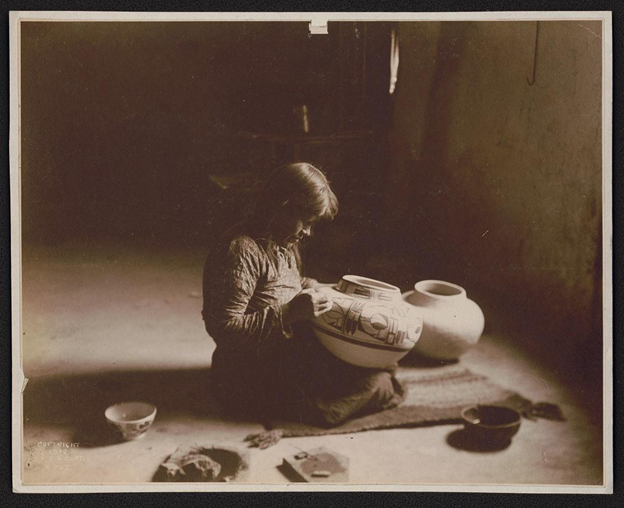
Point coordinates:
[[265, 368]]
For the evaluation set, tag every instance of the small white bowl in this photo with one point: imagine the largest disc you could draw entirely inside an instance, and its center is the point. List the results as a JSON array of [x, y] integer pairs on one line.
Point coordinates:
[[131, 420]]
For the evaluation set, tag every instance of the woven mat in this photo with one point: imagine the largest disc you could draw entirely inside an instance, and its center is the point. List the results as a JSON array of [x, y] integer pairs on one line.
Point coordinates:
[[435, 396]]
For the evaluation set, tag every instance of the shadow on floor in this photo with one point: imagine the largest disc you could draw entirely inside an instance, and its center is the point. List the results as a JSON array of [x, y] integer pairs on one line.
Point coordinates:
[[463, 440], [288, 474], [80, 401], [414, 360]]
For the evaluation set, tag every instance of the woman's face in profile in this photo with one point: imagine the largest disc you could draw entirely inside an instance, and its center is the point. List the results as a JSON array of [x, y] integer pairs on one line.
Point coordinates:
[[292, 230]]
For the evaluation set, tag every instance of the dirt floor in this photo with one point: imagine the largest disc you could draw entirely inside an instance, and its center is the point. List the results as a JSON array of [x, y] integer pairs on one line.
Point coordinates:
[[108, 324]]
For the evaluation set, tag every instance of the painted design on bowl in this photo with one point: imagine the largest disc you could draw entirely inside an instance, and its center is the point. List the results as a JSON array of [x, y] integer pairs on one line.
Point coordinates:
[[130, 420]]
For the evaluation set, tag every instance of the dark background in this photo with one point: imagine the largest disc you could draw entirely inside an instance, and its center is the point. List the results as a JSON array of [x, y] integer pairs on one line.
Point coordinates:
[[126, 123]]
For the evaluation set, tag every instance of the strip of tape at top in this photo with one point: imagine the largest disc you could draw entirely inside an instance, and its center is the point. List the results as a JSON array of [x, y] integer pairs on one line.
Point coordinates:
[[318, 26]]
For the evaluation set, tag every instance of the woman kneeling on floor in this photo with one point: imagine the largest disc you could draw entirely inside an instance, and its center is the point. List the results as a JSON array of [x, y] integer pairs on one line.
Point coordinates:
[[257, 307]]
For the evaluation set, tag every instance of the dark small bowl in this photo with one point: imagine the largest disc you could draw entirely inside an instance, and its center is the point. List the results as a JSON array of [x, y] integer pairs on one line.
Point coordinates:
[[491, 425]]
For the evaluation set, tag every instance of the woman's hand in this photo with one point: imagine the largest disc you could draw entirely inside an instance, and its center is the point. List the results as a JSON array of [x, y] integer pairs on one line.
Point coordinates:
[[308, 304]]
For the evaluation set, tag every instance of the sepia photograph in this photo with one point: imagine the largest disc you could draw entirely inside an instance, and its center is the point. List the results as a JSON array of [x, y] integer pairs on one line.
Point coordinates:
[[311, 251]]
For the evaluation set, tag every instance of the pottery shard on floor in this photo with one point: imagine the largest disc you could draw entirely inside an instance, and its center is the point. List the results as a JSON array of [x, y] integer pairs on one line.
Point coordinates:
[[204, 463], [199, 468]]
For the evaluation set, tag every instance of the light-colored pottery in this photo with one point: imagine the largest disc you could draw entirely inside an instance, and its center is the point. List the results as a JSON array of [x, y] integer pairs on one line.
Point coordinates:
[[368, 325], [452, 322], [130, 420]]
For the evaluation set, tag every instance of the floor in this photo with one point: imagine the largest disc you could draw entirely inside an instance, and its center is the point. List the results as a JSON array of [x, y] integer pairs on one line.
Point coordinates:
[[106, 324]]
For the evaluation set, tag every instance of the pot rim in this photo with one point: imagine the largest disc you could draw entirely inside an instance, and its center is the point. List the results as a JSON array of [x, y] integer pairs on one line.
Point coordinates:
[[424, 287], [486, 426], [369, 283], [113, 419]]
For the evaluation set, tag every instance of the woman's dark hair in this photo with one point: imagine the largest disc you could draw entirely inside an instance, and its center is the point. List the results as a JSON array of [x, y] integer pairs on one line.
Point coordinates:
[[294, 189], [297, 189]]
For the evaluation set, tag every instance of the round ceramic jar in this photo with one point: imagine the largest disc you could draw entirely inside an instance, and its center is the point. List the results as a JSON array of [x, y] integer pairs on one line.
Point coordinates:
[[452, 322], [368, 325]]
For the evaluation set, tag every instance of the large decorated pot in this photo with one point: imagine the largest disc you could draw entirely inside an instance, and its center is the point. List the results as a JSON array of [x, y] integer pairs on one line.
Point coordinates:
[[452, 322], [368, 325]]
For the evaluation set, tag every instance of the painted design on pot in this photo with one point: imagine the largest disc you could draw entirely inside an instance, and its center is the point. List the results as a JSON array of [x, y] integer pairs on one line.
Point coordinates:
[[452, 322], [368, 324]]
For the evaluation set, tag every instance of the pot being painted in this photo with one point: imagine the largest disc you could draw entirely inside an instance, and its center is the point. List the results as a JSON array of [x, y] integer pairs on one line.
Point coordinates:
[[452, 322], [368, 325]]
